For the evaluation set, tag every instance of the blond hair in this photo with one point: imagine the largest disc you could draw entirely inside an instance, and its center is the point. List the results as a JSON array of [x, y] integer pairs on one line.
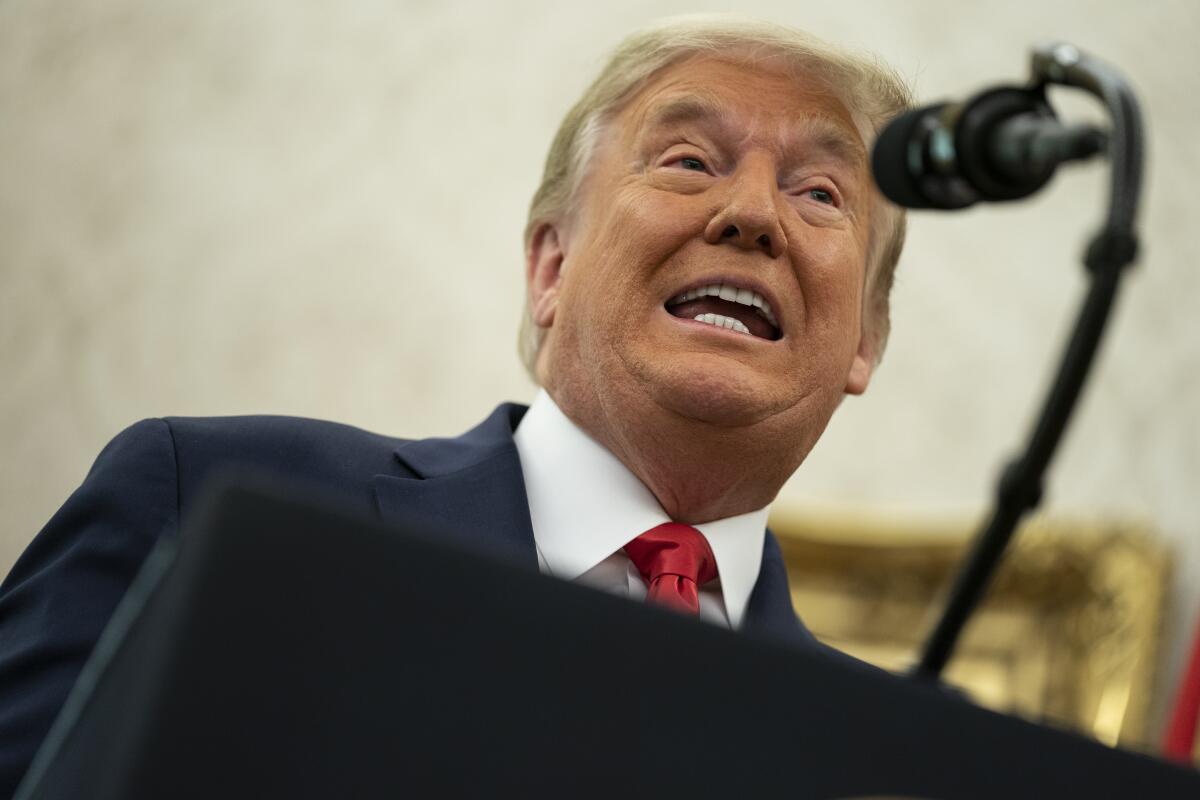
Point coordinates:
[[871, 91]]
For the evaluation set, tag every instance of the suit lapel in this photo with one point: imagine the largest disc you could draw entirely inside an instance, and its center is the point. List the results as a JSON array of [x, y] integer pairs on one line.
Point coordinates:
[[467, 489], [770, 610]]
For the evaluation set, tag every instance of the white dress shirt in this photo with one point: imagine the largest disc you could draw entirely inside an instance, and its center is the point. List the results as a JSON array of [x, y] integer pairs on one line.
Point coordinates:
[[585, 506]]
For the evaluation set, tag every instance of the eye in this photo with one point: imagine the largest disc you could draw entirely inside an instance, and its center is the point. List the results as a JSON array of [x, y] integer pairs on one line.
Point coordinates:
[[687, 162], [821, 196]]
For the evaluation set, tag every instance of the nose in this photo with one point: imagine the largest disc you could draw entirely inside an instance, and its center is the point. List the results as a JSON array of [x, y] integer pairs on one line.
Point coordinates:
[[749, 217]]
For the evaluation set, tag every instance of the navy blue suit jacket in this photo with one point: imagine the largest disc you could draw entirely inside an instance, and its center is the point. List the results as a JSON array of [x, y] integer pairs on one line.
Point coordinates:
[[61, 592]]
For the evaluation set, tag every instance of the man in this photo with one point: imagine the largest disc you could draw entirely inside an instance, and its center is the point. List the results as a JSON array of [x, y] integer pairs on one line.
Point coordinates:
[[708, 267]]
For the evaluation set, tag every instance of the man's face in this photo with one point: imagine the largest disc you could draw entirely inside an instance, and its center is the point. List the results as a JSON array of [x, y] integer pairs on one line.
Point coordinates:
[[716, 174]]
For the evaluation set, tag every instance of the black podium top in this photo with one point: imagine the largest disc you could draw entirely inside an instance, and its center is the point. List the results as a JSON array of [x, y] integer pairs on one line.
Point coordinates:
[[287, 650]]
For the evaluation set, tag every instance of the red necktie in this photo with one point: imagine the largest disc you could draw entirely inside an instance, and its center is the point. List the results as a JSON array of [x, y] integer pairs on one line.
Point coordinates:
[[675, 560]]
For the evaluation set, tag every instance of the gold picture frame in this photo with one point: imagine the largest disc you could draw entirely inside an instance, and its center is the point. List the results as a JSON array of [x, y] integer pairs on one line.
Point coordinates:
[[1068, 633]]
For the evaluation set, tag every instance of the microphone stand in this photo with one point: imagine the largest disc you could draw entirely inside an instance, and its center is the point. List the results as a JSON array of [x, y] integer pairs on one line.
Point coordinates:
[[1110, 251]]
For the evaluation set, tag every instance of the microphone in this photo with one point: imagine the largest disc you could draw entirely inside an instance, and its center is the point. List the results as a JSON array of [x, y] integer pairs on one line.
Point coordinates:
[[1002, 144]]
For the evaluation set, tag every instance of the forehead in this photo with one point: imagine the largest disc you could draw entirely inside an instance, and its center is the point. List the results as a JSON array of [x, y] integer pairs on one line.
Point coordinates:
[[751, 100]]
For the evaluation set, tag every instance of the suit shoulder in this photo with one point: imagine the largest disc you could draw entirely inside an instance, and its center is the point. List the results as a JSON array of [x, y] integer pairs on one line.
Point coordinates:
[[269, 430], [332, 455]]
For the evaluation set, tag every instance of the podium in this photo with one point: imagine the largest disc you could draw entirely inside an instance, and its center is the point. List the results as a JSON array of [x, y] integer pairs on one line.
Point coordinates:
[[284, 649]]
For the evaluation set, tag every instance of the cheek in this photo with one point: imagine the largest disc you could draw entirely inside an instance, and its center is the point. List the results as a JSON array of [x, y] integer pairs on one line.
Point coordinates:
[[831, 279], [647, 224], [621, 247], [674, 219]]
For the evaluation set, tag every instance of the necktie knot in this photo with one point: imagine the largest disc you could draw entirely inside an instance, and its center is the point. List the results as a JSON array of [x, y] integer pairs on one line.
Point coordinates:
[[675, 560]]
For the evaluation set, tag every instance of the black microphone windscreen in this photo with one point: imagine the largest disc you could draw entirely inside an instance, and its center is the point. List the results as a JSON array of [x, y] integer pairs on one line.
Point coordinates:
[[889, 161]]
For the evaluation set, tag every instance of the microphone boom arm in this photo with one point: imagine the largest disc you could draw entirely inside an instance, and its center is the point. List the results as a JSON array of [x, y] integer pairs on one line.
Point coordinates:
[[1110, 251]]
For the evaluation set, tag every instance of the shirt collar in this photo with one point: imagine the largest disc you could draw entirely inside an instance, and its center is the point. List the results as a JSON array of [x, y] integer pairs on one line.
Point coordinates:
[[585, 505]]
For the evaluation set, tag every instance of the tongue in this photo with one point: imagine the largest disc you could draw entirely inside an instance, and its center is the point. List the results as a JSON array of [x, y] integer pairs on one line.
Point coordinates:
[[715, 305]]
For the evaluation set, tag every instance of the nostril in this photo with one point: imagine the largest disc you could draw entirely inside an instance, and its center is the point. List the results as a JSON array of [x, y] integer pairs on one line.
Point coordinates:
[[764, 241], [730, 231]]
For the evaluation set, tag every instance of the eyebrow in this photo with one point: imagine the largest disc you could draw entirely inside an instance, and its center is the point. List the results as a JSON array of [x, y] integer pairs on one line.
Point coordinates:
[[689, 108], [828, 135], [819, 131]]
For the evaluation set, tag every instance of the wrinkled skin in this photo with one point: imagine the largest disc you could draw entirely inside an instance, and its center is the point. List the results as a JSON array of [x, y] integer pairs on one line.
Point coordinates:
[[714, 171]]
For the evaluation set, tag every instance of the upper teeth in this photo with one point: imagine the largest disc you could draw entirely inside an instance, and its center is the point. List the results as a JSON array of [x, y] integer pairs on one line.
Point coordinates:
[[733, 294]]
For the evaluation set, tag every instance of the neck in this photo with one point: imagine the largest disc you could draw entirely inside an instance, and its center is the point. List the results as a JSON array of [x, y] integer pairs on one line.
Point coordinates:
[[698, 471]]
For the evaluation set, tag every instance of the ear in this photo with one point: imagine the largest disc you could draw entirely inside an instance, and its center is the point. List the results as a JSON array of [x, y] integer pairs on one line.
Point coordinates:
[[543, 273], [863, 365]]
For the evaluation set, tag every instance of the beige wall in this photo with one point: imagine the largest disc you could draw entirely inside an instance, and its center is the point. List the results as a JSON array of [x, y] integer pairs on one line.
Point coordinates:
[[224, 208]]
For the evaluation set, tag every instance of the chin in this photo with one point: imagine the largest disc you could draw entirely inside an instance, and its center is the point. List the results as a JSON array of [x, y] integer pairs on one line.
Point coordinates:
[[714, 391]]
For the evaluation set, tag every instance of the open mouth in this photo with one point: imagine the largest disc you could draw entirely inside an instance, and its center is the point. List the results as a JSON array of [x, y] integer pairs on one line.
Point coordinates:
[[727, 306]]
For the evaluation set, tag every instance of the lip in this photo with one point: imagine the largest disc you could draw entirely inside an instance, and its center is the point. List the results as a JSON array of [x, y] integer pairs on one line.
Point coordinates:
[[742, 283]]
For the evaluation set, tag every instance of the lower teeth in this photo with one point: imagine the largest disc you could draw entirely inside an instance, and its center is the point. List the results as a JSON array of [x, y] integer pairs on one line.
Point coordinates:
[[722, 321]]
